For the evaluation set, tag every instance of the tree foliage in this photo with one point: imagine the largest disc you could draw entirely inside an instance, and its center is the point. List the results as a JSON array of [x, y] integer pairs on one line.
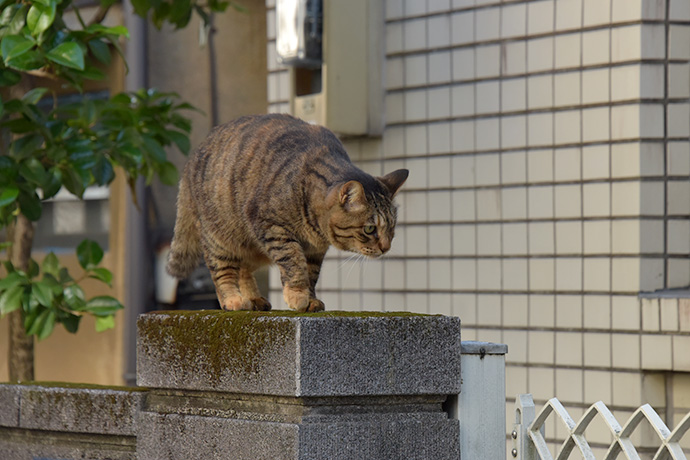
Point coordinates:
[[49, 145]]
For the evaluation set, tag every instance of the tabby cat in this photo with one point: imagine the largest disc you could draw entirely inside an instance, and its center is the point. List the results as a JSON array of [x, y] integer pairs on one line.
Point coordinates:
[[274, 189]]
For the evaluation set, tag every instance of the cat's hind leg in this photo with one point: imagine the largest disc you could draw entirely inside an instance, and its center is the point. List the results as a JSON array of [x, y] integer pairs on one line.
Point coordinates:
[[250, 290]]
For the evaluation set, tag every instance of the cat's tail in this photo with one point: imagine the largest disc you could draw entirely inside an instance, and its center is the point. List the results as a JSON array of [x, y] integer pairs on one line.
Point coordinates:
[[185, 250]]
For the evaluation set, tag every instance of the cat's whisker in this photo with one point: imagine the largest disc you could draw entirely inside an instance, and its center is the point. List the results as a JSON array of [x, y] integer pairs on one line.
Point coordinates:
[[343, 263]]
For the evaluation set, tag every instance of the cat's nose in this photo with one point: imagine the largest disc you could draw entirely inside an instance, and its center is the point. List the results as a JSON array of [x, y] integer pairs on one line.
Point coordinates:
[[384, 245]]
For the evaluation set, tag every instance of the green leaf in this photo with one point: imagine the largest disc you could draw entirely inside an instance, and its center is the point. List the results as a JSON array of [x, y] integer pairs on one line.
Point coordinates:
[[40, 17], [68, 54], [51, 265], [9, 77], [100, 50], [180, 139], [32, 170], [31, 60], [103, 306], [102, 274], [43, 293], [53, 184], [30, 205], [8, 195], [103, 171], [89, 254], [48, 325], [11, 299], [103, 323], [34, 95], [154, 149], [74, 297], [13, 46], [33, 269], [26, 146], [168, 173], [11, 280], [71, 323]]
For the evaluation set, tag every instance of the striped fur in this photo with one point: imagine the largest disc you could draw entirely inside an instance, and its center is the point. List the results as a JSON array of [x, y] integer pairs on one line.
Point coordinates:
[[274, 189]]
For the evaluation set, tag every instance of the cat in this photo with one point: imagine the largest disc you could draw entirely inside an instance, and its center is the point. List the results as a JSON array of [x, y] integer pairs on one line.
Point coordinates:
[[266, 189]]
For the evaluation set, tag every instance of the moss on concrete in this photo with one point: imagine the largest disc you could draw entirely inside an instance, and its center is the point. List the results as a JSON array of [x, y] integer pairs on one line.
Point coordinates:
[[77, 386]]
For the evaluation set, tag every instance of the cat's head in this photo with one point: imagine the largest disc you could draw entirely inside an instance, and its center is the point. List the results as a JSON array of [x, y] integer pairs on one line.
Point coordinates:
[[364, 216]]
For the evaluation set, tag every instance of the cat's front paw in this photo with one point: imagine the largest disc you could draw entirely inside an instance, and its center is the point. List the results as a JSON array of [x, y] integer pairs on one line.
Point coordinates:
[[260, 304], [237, 302], [315, 305]]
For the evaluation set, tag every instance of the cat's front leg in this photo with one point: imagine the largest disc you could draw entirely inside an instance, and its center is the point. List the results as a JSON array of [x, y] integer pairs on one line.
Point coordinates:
[[294, 268]]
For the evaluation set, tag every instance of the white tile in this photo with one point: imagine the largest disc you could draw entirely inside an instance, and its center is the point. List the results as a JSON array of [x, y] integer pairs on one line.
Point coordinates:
[[595, 159], [625, 313], [540, 91], [597, 237], [515, 61], [540, 202], [569, 311], [626, 10], [463, 100], [489, 204], [540, 17], [513, 168], [595, 125], [651, 276], [567, 164], [595, 47], [462, 64], [438, 28], [440, 209], [439, 102], [541, 274], [540, 129], [567, 127], [487, 169], [621, 38], [393, 142], [416, 272], [462, 27], [652, 199], [625, 236], [595, 86], [487, 133], [488, 240], [415, 105], [568, 51], [651, 159], [569, 348], [439, 138], [625, 122], [440, 240], [487, 97], [513, 132], [514, 203], [415, 207], [567, 89], [514, 21], [488, 61], [420, 174], [515, 274], [414, 37], [463, 136], [597, 273], [487, 22], [416, 140], [596, 200], [568, 14], [415, 70], [463, 170], [440, 67], [463, 205], [625, 83], [596, 12], [568, 201], [489, 274], [394, 274], [541, 238], [464, 237], [540, 165], [440, 275], [514, 239], [540, 54], [514, 94], [568, 238]]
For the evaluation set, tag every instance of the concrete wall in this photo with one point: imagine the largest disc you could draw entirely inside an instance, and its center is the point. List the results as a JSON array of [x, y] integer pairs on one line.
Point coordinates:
[[547, 143]]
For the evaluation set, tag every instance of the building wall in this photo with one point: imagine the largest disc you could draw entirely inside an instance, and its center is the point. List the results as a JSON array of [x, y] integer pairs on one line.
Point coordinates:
[[547, 143]]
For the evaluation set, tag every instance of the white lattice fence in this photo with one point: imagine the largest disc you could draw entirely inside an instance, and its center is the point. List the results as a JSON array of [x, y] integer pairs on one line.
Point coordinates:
[[529, 442]]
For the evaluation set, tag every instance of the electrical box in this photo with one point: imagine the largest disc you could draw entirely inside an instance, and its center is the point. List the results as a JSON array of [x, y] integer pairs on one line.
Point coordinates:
[[344, 91]]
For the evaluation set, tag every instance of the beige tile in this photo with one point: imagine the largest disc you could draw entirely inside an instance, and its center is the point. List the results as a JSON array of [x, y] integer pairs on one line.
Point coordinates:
[[414, 34], [394, 274], [652, 198], [462, 63], [597, 348], [540, 17], [651, 275], [517, 344], [567, 164], [598, 387], [514, 94], [568, 238], [540, 202], [439, 102], [416, 140], [463, 170], [654, 11], [596, 200], [569, 386], [414, 8], [488, 169], [541, 383], [540, 165], [415, 240], [657, 352], [652, 81], [417, 303], [487, 133], [394, 9], [373, 274], [440, 275], [596, 12], [678, 272], [651, 121], [464, 240], [487, 23], [513, 132], [541, 274], [626, 160], [627, 389], [569, 274], [516, 380], [514, 274], [652, 235], [489, 204], [684, 314], [626, 274], [678, 203], [621, 37], [567, 88], [625, 236], [540, 91], [394, 38], [669, 314], [438, 30], [439, 138], [541, 238], [625, 313], [568, 14], [678, 115], [595, 86], [595, 125], [440, 208], [513, 167], [678, 237], [540, 54], [515, 58], [440, 240], [625, 351], [515, 311], [489, 274], [569, 311], [489, 310], [679, 10], [679, 36], [415, 206], [540, 347], [597, 312], [415, 70], [681, 357], [595, 47], [440, 171], [516, 26], [567, 127], [440, 304], [625, 122], [514, 239], [462, 27], [487, 97], [569, 348], [625, 199], [463, 205], [489, 239], [597, 237], [416, 274], [393, 142], [465, 306], [540, 129], [415, 105], [597, 274], [568, 201], [541, 311], [488, 62], [678, 158]]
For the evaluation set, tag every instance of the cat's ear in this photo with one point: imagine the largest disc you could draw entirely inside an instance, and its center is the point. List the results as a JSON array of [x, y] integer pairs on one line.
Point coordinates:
[[352, 196], [393, 181]]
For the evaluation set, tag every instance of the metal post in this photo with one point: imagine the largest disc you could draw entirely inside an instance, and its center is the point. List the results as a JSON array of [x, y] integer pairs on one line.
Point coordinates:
[[523, 448], [481, 406]]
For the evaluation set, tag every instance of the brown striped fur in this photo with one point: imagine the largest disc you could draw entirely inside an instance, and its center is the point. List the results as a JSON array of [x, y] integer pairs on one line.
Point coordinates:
[[274, 189]]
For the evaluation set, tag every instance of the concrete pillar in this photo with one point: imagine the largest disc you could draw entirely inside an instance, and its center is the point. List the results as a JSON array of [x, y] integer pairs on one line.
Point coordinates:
[[276, 385]]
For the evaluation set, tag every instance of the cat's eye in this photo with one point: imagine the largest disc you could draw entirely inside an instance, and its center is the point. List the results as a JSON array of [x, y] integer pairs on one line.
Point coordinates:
[[369, 229]]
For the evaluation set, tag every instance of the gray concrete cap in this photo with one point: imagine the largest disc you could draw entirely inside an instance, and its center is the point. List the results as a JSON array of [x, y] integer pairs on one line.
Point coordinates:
[[291, 354]]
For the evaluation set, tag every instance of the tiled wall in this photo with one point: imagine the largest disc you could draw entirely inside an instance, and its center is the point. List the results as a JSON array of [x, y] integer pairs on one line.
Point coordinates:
[[547, 143]]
